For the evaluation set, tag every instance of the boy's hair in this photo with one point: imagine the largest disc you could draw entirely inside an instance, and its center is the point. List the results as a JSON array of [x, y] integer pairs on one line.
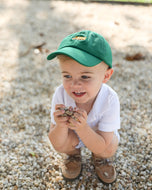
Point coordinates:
[[86, 47], [65, 57]]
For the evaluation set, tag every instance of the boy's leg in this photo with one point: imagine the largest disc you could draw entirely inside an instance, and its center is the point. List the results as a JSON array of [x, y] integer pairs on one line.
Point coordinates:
[[111, 149], [70, 145], [104, 163], [71, 166]]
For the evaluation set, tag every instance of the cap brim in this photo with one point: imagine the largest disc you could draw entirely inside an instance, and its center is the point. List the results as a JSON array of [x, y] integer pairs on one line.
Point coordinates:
[[78, 55]]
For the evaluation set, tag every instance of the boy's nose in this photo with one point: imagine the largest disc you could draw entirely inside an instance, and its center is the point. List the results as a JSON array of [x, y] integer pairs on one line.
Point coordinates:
[[76, 83]]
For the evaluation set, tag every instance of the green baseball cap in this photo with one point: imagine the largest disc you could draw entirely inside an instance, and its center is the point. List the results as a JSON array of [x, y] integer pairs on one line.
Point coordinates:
[[86, 47]]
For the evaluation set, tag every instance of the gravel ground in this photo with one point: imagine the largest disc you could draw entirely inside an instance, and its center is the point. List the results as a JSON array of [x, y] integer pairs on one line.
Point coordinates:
[[28, 30]]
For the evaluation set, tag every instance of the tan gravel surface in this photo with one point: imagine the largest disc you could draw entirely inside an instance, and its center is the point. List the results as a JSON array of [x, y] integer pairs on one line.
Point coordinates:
[[29, 30]]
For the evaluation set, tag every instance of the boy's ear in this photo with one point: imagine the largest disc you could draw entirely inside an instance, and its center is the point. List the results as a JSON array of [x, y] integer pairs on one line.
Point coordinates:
[[108, 75]]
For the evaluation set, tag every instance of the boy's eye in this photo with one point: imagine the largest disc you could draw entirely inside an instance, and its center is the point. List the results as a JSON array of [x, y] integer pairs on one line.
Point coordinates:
[[67, 76], [85, 77]]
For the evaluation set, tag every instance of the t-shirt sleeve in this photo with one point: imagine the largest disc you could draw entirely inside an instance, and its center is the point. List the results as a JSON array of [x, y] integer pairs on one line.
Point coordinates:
[[110, 120]]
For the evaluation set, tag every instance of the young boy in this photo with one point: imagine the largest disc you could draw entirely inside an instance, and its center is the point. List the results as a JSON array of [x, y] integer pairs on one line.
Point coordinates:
[[85, 60]]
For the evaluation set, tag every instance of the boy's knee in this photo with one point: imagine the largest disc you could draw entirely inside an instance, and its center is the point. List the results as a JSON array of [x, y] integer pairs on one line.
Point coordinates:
[[69, 145], [59, 149]]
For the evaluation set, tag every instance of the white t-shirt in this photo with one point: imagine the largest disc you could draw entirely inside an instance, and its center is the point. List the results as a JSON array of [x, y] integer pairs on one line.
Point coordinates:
[[105, 113]]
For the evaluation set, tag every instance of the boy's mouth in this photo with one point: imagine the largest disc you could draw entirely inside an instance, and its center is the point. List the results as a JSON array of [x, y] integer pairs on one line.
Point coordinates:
[[79, 94]]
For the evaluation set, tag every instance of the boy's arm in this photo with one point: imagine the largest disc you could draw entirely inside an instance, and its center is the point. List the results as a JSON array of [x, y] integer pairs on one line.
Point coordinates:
[[60, 135], [58, 132], [95, 141], [57, 135]]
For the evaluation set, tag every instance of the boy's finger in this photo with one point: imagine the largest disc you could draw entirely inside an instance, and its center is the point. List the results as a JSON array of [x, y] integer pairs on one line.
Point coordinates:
[[58, 113], [80, 113], [58, 106], [71, 108], [74, 121], [62, 119], [76, 116]]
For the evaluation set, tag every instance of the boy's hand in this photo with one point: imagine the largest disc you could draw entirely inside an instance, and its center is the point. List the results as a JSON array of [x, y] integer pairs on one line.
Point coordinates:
[[79, 121], [58, 115]]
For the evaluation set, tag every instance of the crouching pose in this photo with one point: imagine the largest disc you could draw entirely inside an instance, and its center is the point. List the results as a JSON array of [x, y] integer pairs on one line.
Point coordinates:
[[85, 110]]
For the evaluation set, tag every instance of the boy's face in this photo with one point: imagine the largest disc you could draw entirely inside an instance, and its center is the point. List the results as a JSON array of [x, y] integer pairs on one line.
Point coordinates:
[[83, 83]]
